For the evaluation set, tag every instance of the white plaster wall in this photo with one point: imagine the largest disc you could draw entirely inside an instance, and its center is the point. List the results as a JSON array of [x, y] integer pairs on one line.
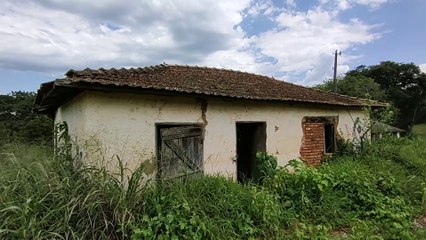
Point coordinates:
[[73, 112], [119, 124], [283, 129]]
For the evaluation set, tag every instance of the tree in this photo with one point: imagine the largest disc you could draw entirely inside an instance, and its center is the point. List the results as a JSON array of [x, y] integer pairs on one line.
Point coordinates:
[[404, 85], [19, 123], [356, 86], [401, 84]]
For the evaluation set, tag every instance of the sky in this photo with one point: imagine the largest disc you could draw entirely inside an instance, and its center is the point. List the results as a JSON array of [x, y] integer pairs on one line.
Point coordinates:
[[289, 40]]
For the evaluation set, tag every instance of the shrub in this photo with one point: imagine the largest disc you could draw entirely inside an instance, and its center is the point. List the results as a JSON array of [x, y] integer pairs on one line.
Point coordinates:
[[339, 193], [401, 159], [207, 207], [265, 167]]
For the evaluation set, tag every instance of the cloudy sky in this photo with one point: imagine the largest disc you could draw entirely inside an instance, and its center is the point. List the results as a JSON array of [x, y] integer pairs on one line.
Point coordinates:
[[287, 39]]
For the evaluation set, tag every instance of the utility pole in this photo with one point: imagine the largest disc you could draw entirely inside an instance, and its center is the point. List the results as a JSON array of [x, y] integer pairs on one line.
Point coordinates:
[[335, 71]]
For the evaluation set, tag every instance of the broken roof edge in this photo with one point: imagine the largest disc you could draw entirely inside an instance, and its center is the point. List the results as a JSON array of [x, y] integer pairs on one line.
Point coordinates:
[[42, 91]]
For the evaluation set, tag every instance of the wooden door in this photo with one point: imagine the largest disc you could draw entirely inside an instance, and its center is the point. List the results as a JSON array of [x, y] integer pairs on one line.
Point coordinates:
[[180, 151]]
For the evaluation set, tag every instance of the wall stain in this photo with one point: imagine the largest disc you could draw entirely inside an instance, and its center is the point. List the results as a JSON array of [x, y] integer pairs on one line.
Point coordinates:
[[203, 106], [150, 166]]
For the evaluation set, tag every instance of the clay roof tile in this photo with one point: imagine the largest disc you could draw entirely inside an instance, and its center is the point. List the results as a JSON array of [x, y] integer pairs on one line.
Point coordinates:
[[206, 81]]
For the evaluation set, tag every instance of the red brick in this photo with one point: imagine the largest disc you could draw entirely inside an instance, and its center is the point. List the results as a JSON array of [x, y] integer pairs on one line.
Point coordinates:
[[312, 149]]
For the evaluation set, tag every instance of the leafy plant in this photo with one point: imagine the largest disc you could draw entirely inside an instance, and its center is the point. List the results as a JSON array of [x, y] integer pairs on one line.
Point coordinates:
[[265, 167]]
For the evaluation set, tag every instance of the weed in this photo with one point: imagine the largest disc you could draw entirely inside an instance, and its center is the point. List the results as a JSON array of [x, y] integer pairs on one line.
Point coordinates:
[[374, 194], [265, 167]]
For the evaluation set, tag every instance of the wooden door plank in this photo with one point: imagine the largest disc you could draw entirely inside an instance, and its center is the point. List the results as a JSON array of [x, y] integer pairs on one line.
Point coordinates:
[[181, 132], [180, 153]]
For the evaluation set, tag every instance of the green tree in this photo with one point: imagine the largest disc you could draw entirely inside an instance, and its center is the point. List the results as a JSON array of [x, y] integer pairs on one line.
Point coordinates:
[[19, 123], [404, 85], [356, 86], [401, 84]]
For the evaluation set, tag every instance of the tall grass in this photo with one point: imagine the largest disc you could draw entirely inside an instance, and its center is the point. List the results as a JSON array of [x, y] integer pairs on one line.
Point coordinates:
[[42, 199], [374, 194], [419, 130], [403, 160]]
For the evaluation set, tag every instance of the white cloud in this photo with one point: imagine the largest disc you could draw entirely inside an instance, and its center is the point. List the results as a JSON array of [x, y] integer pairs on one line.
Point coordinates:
[[261, 7], [52, 35], [423, 67], [58, 35], [371, 3], [346, 4], [307, 41]]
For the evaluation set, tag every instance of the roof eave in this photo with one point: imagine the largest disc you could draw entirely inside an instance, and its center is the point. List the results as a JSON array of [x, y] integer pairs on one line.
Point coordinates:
[[83, 85]]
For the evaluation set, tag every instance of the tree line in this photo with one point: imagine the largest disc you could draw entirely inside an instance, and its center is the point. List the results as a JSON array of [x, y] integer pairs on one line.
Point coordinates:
[[403, 85], [18, 122]]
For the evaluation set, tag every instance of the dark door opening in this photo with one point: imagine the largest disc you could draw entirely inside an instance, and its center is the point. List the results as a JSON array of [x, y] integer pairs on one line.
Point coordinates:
[[329, 138], [251, 138]]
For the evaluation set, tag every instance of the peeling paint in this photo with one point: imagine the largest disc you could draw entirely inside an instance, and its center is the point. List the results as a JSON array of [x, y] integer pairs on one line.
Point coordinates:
[[150, 166]]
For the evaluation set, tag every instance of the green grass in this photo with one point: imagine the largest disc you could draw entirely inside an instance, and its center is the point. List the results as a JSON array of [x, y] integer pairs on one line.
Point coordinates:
[[41, 199], [376, 194], [419, 129]]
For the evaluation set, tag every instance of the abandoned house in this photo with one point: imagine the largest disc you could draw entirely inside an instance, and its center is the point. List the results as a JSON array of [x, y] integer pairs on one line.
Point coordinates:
[[182, 119]]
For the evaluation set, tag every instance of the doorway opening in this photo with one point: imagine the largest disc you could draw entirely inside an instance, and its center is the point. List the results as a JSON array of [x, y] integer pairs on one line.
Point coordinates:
[[251, 138], [329, 138]]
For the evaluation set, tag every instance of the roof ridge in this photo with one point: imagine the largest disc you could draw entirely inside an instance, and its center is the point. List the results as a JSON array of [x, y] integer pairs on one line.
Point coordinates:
[[150, 68], [162, 65], [220, 68], [73, 73]]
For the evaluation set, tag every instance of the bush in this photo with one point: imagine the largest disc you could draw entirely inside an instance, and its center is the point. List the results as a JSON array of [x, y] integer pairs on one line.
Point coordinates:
[[265, 167], [340, 193], [401, 159], [207, 207]]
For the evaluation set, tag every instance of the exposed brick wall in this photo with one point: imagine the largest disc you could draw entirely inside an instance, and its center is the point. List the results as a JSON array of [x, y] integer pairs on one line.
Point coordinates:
[[312, 148]]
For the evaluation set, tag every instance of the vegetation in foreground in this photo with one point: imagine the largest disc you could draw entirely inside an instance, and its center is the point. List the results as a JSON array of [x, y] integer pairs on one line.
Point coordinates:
[[372, 195], [419, 130]]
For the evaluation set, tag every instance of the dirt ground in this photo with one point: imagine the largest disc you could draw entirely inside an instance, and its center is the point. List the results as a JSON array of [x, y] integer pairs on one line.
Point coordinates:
[[420, 222]]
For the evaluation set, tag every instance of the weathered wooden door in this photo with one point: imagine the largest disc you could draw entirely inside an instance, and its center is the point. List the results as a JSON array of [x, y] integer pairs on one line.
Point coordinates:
[[180, 151]]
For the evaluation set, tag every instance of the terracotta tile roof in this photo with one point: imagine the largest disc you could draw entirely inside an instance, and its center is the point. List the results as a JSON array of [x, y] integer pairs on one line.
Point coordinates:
[[200, 81]]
